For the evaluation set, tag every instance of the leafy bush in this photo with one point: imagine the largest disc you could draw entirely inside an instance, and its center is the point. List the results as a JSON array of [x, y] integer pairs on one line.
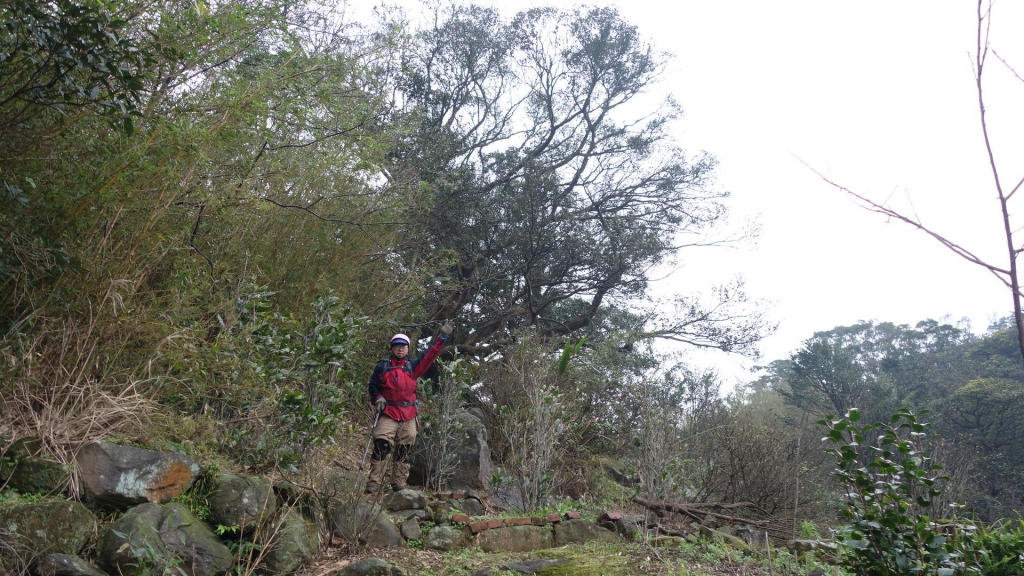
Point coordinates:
[[301, 367], [999, 549], [890, 487]]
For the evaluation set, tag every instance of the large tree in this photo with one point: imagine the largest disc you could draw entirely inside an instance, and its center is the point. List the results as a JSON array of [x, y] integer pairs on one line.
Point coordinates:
[[542, 167]]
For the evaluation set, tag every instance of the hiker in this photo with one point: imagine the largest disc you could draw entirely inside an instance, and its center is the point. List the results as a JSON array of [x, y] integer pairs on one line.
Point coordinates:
[[393, 393]]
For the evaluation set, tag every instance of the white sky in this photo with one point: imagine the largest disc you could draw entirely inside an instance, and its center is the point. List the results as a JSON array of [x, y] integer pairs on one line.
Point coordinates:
[[878, 95]]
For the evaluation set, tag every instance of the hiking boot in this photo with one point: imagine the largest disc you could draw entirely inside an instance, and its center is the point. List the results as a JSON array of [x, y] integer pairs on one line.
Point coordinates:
[[377, 469], [400, 476]]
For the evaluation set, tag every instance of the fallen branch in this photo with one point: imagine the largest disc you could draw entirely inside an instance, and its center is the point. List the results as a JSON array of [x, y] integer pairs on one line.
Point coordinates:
[[700, 511], [666, 530], [703, 509]]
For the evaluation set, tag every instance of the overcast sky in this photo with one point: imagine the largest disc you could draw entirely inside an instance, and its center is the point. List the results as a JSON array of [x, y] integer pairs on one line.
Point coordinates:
[[879, 96]]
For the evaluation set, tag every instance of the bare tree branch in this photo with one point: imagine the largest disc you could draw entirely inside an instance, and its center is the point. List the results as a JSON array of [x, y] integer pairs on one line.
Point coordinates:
[[1008, 273]]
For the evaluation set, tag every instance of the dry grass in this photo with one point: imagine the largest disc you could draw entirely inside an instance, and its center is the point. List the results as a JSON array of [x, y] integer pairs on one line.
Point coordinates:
[[57, 386]]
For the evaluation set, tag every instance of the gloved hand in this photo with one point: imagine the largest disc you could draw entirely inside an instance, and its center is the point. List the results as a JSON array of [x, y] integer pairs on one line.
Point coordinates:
[[447, 328], [381, 403]]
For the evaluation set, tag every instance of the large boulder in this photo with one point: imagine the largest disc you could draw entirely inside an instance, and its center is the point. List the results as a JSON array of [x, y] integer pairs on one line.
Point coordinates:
[[515, 539], [163, 538], [242, 501], [474, 469], [474, 456], [36, 529], [579, 531], [125, 475], [365, 523], [629, 526], [289, 542], [66, 565]]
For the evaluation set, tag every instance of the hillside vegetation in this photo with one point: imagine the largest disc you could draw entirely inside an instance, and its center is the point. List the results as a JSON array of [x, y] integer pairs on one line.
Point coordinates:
[[213, 216]]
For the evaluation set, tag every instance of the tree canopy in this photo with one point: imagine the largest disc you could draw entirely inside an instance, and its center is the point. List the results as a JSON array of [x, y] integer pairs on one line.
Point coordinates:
[[552, 188]]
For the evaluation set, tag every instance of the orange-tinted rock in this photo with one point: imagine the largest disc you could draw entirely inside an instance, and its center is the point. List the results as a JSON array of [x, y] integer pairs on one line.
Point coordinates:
[[126, 475]]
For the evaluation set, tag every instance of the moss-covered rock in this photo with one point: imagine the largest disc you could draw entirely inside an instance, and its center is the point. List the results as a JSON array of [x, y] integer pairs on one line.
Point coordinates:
[[242, 501], [410, 529], [444, 537], [365, 523], [365, 567], [405, 500], [34, 530], [668, 542], [153, 537], [729, 539], [23, 448], [23, 468], [289, 542], [580, 531], [39, 475], [515, 539]]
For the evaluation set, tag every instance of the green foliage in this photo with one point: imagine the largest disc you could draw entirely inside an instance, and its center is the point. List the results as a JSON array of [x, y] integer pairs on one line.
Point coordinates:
[[221, 530], [808, 531], [512, 116], [888, 497], [569, 351], [999, 548], [11, 495], [148, 561], [303, 367], [197, 497], [988, 411], [62, 56]]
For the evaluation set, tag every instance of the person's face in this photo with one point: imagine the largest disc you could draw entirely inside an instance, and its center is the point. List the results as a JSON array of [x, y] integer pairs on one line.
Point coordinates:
[[400, 350]]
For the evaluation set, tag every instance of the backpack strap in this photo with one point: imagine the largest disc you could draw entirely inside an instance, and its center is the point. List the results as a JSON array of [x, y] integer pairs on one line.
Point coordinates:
[[388, 367]]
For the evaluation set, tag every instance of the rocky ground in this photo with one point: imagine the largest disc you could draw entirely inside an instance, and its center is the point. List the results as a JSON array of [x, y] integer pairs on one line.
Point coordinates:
[[128, 510]]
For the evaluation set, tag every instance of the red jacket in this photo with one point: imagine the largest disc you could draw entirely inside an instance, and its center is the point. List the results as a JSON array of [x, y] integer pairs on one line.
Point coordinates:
[[395, 381]]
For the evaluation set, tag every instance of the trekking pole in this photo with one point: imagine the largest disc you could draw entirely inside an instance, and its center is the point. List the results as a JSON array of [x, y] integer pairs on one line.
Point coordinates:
[[370, 441]]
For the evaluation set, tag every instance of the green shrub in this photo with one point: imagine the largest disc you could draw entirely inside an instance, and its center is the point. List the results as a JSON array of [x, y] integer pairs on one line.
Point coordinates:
[[890, 484], [999, 549], [301, 369]]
